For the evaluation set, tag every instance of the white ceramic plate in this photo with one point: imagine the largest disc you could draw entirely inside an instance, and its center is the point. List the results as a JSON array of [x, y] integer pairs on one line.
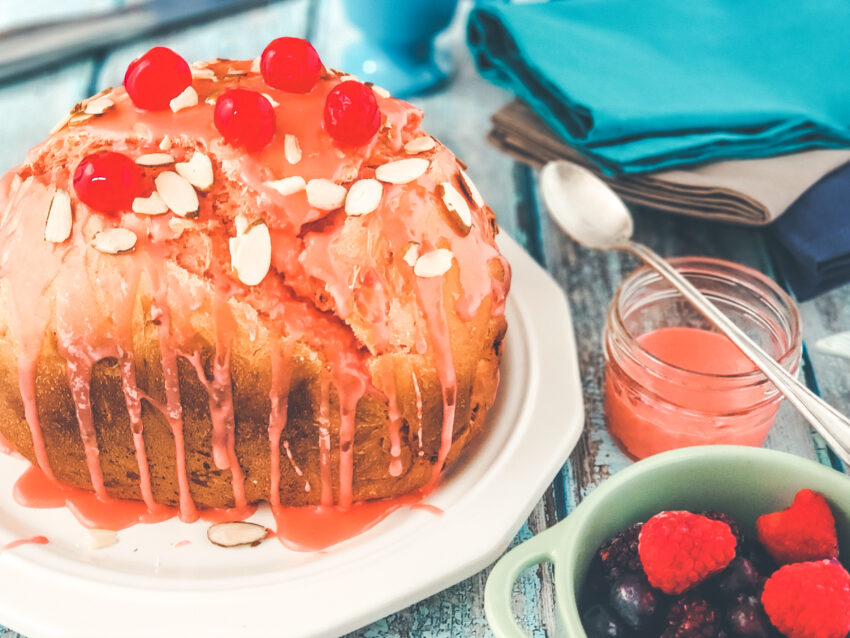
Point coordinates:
[[146, 586]]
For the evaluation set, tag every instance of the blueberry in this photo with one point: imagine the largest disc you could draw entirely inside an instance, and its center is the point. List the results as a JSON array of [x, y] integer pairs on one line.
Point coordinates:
[[599, 622], [745, 618], [739, 577], [635, 601]]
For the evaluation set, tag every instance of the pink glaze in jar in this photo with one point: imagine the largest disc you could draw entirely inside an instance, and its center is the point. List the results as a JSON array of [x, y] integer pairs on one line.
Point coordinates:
[[672, 381]]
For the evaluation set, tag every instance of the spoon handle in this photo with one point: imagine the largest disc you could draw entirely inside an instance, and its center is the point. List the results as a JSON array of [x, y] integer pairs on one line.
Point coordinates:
[[833, 426]]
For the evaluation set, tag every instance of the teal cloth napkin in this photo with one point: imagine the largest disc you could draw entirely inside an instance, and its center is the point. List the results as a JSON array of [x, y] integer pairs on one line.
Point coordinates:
[[640, 85]]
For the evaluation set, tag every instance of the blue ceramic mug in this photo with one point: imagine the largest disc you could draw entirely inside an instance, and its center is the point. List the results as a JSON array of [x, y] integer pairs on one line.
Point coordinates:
[[397, 49]]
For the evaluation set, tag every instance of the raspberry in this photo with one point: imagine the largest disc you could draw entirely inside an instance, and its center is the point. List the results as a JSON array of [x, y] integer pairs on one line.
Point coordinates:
[[155, 78], [352, 116], [244, 118], [679, 549], [804, 531], [107, 181], [692, 617], [619, 554], [809, 600], [291, 64]]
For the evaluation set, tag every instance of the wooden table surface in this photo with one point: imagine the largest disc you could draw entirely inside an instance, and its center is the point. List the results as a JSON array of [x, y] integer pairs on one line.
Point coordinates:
[[459, 117]]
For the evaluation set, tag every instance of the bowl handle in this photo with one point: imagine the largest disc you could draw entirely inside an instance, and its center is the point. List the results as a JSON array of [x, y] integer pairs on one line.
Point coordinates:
[[500, 583]]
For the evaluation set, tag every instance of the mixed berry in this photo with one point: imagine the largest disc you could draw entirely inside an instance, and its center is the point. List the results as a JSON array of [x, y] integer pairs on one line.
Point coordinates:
[[687, 575]]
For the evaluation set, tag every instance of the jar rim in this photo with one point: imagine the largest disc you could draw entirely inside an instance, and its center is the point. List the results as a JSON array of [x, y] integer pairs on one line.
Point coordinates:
[[788, 310]]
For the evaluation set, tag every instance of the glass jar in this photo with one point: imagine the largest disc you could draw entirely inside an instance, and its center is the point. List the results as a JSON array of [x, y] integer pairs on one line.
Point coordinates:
[[653, 405]]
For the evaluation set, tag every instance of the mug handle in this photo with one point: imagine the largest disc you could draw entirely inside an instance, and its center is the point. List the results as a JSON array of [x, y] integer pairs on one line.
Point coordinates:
[[500, 583]]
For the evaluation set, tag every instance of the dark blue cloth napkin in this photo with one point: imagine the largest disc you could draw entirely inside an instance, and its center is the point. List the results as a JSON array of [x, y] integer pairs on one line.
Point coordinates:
[[814, 236]]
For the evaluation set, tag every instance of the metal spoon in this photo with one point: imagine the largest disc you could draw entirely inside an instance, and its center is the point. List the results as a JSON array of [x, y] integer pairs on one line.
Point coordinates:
[[593, 215]]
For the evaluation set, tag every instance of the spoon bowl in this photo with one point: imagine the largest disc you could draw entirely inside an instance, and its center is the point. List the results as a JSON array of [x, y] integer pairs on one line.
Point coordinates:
[[584, 206]]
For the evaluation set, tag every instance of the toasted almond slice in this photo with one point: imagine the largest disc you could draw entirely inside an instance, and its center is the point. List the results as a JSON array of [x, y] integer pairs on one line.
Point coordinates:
[[348, 78], [380, 91], [324, 194], [236, 533], [114, 240], [434, 264], [165, 144], [59, 219], [198, 171], [153, 205], [234, 72], [291, 149], [456, 207], [411, 253], [346, 173], [177, 193], [253, 255], [402, 171], [255, 64], [98, 106], [473, 192], [189, 97], [62, 123], [155, 159], [100, 538], [202, 74], [420, 145], [363, 197], [271, 100], [241, 223], [79, 118], [288, 185]]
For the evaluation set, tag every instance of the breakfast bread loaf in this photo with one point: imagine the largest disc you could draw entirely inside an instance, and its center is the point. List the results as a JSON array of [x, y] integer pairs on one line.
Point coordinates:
[[193, 318]]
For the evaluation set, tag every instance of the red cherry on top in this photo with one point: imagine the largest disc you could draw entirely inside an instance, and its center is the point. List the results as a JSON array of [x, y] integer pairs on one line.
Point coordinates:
[[291, 64], [156, 78], [107, 181], [245, 118], [351, 113]]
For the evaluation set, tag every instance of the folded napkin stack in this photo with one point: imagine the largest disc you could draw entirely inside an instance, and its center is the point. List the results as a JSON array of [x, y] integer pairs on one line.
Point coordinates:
[[728, 109]]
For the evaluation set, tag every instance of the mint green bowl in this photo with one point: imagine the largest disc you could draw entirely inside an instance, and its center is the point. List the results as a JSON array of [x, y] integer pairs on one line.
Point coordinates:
[[743, 481]]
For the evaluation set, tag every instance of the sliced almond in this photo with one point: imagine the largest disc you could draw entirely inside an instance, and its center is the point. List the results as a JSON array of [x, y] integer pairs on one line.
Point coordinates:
[[188, 98], [271, 100], [98, 106], [177, 193], [59, 219], [291, 149], [114, 240], [153, 205], [241, 223], [62, 123], [363, 197], [420, 145], [155, 159], [255, 64], [348, 78], [471, 190], [236, 533], [253, 254], [79, 118], [234, 72], [456, 207], [380, 91], [402, 171], [100, 538], [198, 171], [288, 185], [434, 264], [165, 144], [411, 253], [324, 194], [202, 74]]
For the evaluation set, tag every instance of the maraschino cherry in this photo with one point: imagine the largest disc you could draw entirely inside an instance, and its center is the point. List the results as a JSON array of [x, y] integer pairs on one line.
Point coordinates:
[[156, 78], [351, 113], [291, 64], [107, 181], [244, 118]]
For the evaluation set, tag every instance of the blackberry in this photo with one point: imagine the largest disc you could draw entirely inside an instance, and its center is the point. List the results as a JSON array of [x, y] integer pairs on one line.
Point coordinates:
[[619, 554], [731, 522], [692, 617]]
